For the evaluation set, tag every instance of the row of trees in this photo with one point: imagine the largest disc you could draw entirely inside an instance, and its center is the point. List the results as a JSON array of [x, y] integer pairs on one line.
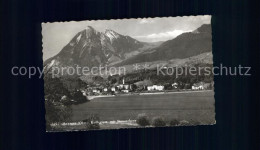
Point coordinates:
[[143, 120]]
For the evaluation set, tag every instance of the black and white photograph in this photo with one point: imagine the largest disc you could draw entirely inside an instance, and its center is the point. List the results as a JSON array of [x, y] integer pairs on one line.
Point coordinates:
[[128, 73]]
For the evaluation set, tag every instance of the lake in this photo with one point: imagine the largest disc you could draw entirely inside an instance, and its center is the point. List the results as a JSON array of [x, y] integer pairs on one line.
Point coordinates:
[[190, 106]]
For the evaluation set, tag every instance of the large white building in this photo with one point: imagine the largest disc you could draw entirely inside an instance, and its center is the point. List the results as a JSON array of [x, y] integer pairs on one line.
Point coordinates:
[[200, 86], [155, 88], [113, 89]]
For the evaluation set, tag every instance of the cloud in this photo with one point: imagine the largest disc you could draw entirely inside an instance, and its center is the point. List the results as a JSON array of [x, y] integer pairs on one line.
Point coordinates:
[[145, 21], [162, 36]]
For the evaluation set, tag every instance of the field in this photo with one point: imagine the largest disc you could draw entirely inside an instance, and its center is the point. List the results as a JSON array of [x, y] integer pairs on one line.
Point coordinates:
[[190, 106]]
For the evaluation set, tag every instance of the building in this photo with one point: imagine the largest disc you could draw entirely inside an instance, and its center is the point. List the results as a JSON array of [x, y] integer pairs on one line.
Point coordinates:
[[197, 87], [113, 89], [201, 86], [155, 88], [96, 91], [175, 85], [123, 86], [125, 91], [126, 86], [120, 86], [84, 93]]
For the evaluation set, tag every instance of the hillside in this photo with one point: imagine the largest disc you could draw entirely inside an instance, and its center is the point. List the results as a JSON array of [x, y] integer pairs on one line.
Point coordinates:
[[183, 46]]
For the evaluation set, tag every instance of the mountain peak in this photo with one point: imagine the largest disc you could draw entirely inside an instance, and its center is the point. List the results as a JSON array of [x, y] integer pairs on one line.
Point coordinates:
[[111, 34], [109, 30], [89, 28], [90, 47]]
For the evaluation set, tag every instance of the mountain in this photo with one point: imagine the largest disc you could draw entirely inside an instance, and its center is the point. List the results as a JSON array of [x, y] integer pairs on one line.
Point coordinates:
[[92, 48], [183, 46], [204, 58]]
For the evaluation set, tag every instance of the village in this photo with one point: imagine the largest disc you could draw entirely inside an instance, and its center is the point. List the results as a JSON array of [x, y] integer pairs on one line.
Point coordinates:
[[145, 86]]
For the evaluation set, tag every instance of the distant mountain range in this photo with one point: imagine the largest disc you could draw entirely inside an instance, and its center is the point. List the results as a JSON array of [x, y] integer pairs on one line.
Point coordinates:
[[183, 46], [92, 48]]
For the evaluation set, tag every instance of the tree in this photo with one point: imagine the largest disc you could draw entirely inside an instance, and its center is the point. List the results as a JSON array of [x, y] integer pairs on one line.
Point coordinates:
[[92, 122], [79, 97], [142, 120], [56, 112], [174, 122], [159, 122], [134, 87], [54, 89]]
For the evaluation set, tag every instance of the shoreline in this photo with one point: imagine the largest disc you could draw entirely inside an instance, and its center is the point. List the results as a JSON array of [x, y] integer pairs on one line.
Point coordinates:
[[93, 97], [173, 92], [147, 93]]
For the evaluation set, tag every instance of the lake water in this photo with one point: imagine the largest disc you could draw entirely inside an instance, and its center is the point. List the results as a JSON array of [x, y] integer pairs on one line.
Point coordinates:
[[198, 106]]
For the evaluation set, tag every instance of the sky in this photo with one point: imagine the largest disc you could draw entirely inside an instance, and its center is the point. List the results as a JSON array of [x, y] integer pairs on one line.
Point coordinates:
[[56, 35]]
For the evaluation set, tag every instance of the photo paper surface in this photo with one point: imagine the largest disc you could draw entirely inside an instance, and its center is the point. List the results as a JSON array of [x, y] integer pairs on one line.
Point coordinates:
[[128, 73]]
